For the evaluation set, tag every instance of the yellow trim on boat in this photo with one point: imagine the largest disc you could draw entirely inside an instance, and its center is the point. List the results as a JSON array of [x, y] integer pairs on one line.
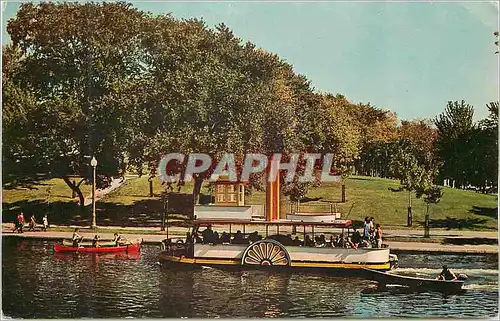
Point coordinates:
[[187, 260], [341, 265]]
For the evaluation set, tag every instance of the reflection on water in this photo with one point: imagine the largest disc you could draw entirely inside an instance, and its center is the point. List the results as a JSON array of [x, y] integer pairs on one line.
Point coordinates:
[[40, 284]]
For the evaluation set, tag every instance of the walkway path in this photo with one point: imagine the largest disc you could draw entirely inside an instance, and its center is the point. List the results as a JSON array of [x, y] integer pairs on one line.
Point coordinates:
[[115, 183]]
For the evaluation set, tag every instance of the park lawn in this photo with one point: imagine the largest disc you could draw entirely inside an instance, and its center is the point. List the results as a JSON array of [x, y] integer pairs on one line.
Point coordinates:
[[36, 199], [59, 192], [131, 205], [370, 196], [137, 189]]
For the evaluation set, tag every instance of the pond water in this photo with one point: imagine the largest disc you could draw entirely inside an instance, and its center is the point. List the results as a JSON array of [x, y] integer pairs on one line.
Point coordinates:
[[37, 283]]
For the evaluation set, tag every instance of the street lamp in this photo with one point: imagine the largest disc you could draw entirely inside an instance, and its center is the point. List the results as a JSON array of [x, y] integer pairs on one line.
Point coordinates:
[[93, 163]]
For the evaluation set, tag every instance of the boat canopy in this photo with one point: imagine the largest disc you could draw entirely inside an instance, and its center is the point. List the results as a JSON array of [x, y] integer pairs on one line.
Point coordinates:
[[334, 224]]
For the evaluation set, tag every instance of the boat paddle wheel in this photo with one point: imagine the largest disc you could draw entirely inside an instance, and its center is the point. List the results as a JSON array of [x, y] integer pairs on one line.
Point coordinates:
[[266, 253]]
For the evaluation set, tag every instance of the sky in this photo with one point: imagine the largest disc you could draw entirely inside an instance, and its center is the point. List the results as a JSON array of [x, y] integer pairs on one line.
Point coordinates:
[[407, 57]]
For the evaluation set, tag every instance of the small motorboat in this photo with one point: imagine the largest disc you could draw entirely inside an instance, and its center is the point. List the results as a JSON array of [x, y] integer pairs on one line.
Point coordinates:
[[132, 247], [384, 279]]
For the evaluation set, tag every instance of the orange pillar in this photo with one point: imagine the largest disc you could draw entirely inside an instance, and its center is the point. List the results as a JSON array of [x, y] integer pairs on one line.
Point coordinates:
[[273, 199]]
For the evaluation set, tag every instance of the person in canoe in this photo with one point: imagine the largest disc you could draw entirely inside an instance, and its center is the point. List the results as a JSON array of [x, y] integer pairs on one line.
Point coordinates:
[[446, 274], [95, 241], [117, 239], [77, 238]]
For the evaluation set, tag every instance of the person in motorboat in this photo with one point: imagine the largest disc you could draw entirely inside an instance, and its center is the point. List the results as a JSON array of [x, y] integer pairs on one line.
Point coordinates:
[[95, 241], [446, 274], [77, 238]]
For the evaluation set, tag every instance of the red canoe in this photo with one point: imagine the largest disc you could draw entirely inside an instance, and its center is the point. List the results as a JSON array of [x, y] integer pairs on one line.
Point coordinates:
[[135, 247]]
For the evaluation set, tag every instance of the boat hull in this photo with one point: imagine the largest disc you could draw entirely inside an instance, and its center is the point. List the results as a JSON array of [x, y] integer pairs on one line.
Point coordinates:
[[135, 247], [236, 264], [271, 254], [385, 279]]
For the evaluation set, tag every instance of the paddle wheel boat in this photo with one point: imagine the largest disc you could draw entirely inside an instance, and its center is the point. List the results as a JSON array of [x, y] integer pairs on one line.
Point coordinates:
[[266, 248]]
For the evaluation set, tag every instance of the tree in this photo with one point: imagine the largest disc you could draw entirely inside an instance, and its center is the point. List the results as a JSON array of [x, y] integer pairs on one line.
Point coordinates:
[[454, 126], [72, 61], [378, 130], [412, 174], [431, 195]]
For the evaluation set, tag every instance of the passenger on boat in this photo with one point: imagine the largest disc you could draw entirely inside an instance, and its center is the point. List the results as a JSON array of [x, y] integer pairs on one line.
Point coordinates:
[[197, 238], [308, 241], [356, 237], [350, 243], [321, 242], [239, 239], [366, 228], [95, 241], [254, 237], [216, 239], [225, 238], [77, 238], [339, 240], [297, 242], [208, 235], [116, 239], [446, 274], [378, 236]]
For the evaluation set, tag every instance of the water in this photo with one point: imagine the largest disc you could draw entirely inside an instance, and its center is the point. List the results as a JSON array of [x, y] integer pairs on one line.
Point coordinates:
[[36, 283]]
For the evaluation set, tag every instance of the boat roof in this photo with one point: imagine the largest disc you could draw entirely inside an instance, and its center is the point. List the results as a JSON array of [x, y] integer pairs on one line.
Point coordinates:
[[334, 224]]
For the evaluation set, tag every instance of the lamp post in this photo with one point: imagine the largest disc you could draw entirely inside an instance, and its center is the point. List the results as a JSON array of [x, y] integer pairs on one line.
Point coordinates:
[[93, 163]]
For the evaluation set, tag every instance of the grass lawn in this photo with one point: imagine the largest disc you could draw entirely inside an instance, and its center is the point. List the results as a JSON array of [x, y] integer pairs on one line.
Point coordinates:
[[52, 197], [59, 192], [130, 205], [372, 197]]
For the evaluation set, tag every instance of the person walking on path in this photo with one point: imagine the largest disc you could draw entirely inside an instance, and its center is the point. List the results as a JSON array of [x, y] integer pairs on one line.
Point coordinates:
[[45, 222], [19, 223], [32, 223]]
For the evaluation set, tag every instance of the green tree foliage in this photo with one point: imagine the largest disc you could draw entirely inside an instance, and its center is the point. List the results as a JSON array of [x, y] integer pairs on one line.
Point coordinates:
[[71, 61], [413, 173], [468, 151], [454, 125]]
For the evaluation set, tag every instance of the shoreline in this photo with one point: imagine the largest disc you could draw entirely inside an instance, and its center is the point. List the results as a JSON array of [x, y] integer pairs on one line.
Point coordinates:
[[412, 247]]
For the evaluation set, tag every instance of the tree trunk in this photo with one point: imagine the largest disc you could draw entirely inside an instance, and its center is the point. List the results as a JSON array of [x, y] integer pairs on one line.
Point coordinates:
[[76, 189], [198, 182], [151, 188], [426, 230], [410, 214]]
